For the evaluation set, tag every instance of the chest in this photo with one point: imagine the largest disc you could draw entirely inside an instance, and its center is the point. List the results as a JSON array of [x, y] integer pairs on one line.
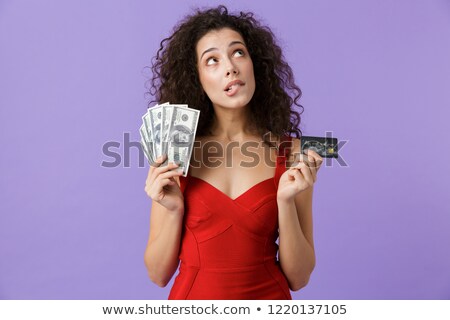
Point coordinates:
[[234, 169]]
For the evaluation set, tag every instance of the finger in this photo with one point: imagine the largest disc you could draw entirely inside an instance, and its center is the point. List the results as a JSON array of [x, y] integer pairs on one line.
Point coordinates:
[[317, 158], [169, 174], [159, 161], [159, 170], [153, 175], [305, 158], [296, 174], [154, 193], [301, 158], [312, 166], [167, 167], [313, 171], [315, 161], [158, 185], [165, 182], [306, 171]]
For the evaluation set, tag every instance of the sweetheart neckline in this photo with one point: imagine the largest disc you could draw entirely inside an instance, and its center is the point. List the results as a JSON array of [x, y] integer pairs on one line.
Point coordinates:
[[239, 196]]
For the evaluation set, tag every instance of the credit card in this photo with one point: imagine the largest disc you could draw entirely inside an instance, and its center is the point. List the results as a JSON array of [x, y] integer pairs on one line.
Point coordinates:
[[325, 147]]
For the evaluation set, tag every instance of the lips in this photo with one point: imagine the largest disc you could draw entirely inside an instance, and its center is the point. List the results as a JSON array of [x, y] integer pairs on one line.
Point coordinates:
[[233, 87]]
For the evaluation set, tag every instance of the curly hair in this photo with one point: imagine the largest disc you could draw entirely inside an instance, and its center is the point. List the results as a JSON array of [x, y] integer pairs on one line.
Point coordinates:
[[175, 76]]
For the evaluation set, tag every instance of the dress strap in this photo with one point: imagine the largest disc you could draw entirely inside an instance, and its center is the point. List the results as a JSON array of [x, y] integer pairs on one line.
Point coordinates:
[[284, 150]]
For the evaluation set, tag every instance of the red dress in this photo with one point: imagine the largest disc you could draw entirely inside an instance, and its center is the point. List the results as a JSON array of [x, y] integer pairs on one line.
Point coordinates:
[[228, 248]]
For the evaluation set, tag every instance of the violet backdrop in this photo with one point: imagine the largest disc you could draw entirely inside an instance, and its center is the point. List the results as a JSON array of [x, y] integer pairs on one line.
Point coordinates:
[[72, 78]]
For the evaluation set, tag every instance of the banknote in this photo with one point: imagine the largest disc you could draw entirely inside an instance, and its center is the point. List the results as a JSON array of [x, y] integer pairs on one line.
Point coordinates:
[[146, 131], [146, 146], [155, 114], [169, 129], [183, 127], [167, 112]]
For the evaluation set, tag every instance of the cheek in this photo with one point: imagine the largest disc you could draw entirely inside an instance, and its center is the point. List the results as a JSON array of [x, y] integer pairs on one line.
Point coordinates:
[[251, 74], [207, 80], [203, 80]]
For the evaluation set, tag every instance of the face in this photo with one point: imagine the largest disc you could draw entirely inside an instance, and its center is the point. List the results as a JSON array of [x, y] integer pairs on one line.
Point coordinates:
[[225, 68]]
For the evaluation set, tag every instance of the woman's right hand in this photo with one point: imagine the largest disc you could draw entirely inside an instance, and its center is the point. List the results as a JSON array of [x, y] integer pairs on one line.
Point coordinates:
[[161, 186]]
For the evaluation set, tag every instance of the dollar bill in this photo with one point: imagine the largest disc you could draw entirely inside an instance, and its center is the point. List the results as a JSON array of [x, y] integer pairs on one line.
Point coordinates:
[[167, 113], [146, 148], [183, 126], [156, 123], [146, 131], [143, 132], [144, 138]]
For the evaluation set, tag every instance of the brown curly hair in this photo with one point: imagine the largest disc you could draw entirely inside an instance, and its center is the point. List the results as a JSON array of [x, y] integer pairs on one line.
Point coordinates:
[[175, 76]]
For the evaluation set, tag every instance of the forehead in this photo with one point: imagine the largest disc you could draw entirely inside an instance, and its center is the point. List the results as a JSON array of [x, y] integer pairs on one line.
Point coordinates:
[[218, 39]]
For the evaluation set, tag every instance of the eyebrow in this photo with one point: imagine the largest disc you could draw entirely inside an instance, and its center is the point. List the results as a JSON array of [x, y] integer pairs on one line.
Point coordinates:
[[232, 43]]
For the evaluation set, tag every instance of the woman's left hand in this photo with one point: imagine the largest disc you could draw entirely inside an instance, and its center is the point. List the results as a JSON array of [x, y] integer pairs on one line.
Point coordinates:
[[300, 176]]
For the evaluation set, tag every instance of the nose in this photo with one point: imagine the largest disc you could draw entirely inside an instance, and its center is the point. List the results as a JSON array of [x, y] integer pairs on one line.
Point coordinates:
[[231, 69]]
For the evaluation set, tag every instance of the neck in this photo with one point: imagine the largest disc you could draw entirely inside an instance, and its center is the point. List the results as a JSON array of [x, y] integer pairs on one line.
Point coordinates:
[[232, 124]]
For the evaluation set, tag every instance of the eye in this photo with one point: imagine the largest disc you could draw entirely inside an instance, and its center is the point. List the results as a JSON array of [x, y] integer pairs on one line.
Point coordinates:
[[238, 53], [211, 61]]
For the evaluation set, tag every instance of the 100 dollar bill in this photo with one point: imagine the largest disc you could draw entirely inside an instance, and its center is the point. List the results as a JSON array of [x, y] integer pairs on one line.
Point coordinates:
[[183, 126]]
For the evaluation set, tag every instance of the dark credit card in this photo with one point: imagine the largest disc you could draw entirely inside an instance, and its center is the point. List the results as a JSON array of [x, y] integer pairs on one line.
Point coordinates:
[[325, 147]]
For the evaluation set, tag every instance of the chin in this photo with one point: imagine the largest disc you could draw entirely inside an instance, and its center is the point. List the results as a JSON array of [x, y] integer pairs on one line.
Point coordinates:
[[233, 103], [237, 105]]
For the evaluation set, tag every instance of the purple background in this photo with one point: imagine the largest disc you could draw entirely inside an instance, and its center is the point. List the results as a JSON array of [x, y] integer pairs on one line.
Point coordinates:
[[72, 77]]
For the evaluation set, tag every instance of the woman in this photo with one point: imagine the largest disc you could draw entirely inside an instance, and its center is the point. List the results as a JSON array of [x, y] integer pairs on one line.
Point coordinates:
[[222, 220]]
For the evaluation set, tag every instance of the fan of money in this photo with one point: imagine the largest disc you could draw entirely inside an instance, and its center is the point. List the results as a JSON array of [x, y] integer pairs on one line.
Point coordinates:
[[169, 129]]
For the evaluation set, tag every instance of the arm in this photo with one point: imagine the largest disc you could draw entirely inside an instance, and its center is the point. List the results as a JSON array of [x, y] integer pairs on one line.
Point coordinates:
[[161, 253], [296, 250]]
